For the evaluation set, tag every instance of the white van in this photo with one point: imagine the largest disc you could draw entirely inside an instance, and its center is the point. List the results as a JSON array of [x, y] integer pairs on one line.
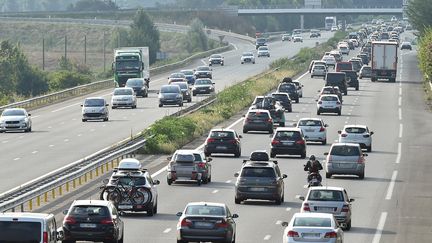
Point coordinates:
[[28, 227]]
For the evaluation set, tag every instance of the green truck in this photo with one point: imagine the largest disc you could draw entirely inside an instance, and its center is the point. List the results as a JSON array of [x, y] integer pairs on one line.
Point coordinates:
[[130, 62]]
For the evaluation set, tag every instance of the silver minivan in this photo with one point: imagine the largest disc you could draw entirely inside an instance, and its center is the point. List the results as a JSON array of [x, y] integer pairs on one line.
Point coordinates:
[[28, 227]]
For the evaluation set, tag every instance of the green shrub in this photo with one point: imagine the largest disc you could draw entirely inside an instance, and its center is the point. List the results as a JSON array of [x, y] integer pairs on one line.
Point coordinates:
[[66, 79]]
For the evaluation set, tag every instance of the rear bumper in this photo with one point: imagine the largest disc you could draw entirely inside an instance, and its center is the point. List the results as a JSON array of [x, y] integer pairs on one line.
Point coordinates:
[[258, 127], [296, 150], [357, 170], [204, 234], [244, 193], [89, 235]]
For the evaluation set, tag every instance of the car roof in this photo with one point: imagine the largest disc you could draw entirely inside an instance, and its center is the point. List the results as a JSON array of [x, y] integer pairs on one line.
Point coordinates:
[[90, 202], [206, 203], [16, 109], [313, 215], [333, 95], [311, 118], [359, 126], [26, 215], [222, 130], [187, 151], [251, 163], [333, 188], [288, 129], [346, 144], [119, 88], [279, 93]]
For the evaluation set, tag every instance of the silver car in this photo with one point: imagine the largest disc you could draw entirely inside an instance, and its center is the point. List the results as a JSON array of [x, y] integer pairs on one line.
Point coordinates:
[[318, 70], [247, 57], [123, 97], [332, 200], [345, 159], [263, 51], [95, 108], [312, 228], [314, 129], [15, 119], [189, 165], [357, 134]]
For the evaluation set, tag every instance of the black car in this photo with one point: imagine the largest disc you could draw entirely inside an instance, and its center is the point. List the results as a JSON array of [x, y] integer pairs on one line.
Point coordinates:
[[290, 89], [203, 72], [139, 86], [92, 220], [352, 79], [224, 141], [337, 79], [314, 35], [364, 57], [284, 100], [288, 141], [258, 120], [259, 155], [259, 180], [406, 46], [260, 42], [186, 92]]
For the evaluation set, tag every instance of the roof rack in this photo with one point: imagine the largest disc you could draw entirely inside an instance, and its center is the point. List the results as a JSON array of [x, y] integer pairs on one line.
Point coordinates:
[[260, 161]]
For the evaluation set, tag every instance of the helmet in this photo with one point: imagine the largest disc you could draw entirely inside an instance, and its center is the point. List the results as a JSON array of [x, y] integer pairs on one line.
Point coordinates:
[[312, 157]]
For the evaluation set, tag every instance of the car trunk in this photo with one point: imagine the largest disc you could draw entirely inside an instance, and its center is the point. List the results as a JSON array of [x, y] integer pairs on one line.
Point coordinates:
[[183, 168], [312, 234], [343, 162], [204, 222]]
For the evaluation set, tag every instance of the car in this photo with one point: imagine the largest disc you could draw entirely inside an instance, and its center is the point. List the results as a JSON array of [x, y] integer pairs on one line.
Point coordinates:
[[345, 159], [329, 199], [288, 141], [316, 62], [330, 90], [312, 227], [337, 79], [314, 34], [334, 28], [356, 64], [318, 70], [224, 141], [260, 42], [177, 77], [393, 19], [406, 46], [263, 51], [316, 31], [365, 72], [258, 120], [342, 66], [274, 107], [299, 88], [284, 100], [329, 60], [206, 221], [15, 119], [297, 38], [138, 85], [92, 220], [297, 32], [189, 165], [203, 72], [216, 59], [290, 89], [259, 180], [364, 57], [352, 79], [123, 97], [189, 74], [170, 94], [357, 134], [313, 129], [256, 104], [344, 49], [408, 27], [247, 57], [286, 37], [186, 92], [95, 108], [329, 103], [337, 56], [259, 155], [203, 86]]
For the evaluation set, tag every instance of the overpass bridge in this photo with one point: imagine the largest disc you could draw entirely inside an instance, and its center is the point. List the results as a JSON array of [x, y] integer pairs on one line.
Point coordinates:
[[329, 11]]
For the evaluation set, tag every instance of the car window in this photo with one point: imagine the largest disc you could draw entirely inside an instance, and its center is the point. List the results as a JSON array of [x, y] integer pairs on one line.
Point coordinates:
[[203, 68], [89, 210], [247, 54], [313, 123], [205, 210], [123, 92], [293, 135], [321, 67], [182, 85], [326, 195], [134, 82], [215, 56], [345, 151], [258, 172], [197, 157], [13, 113], [312, 222], [221, 134], [280, 97], [189, 72], [286, 87], [203, 81], [258, 115], [329, 98], [177, 75], [355, 130], [184, 158], [20, 231], [170, 89]]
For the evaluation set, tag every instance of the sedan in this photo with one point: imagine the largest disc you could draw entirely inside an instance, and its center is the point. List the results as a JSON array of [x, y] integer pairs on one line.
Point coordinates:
[[314, 129], [329, 103], [357, 134], [216, 59], [263, 51], [15, 119], [206, 221], [170, 95], [318, 70], [297, 38], [177, 77], [203, 86], [123, 97], [288, 140], [203, 72], [311, 228], [184, 87], [345, 159], [247, 57]]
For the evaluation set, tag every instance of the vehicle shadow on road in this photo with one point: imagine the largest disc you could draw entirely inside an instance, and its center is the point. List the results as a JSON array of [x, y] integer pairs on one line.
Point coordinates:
[[267, 203], [158, 216], [367, 178], [369, 231], [380, 152]]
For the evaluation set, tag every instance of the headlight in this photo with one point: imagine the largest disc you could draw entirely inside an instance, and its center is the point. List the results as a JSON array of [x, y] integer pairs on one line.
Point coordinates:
[[193, 88], [161, 96]]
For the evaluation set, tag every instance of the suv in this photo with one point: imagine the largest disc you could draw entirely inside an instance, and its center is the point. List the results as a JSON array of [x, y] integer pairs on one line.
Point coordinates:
[[288, 140], [139, 85], [260, 42], [329, 103], [337, 79], [290, 89], [259, 180], [185, 89], [314, 129], [247, 57], [92, 220], [189, 165], [352, 79], [357, 134], [345, 159], [258, 120], [356, 63], [225, 141], [263, 51], [95, 108]]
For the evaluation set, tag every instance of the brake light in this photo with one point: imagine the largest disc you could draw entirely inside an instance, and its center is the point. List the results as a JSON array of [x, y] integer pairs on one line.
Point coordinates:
[[221, 224], [306, 207], [69, 220], [201, 165], [330, 235], [45, 237], [274, 142], [345, 208], [360, 160], [292, 233], [186, 223], [300, 142], [233, 141], [210, 140], [343, 135], [366, 135], [107, 221], [322, 129]]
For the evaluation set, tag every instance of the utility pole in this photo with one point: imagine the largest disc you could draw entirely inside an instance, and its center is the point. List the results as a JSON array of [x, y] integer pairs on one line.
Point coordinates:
[[43, 53], [104, 59], [85, 49], [65, 47]]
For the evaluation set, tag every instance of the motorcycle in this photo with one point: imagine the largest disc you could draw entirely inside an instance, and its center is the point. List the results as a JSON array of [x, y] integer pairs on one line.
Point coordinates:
[[314, 179]]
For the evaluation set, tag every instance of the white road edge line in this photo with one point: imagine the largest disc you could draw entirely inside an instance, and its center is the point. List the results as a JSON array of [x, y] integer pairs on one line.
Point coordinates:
[[400, 101], [400, 130], [380, 227], [398, 157], [202, 60], [391, 185], [215, 191], [267, 237], [167, 230]]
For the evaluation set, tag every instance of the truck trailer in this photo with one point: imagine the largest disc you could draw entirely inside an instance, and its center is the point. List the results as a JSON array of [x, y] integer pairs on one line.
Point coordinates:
[[384, 60]]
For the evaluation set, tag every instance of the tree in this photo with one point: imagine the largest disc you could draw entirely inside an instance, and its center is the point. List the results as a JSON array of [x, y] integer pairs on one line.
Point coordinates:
[[143, 32], [196, 38], [419, 14], [94, 5]]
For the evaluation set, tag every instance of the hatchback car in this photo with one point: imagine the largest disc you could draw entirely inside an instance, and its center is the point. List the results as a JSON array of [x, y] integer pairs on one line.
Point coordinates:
[[258, 120], [92, 220], [318, 70], [284, 100], [186, 92], [170, 95], [288, 141], [316, 62], [138, 85], [263, 51], [365, 72], [216, 59], [329, 60], [95, 108], [123, 97], [345, 159], [297, 38], [311, 228], [286, 37], [189, 165], [206, 221], [330, 90], [15, 119], [329, 103], [177, 77], [247, 57], [225, 141], [189, 74], [406, 46], [357, 134], [203, 72], [333, 200], [259, 180], [314, 129], [290, 89], [203, 86]]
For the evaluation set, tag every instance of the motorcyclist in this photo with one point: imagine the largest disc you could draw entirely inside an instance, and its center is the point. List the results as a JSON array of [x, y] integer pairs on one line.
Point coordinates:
[[313, 166]]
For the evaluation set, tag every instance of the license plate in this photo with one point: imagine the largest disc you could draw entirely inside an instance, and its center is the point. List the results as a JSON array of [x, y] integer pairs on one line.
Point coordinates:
[[314, 180], [257, 189], [345, 165], [327, 209], [88, 225], [221, 147], [125, 206], [309, 130], [287, 143], [203, 224], [311, 235]]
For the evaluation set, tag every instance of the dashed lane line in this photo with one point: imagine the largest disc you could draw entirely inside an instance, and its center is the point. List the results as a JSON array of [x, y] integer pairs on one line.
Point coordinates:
[[35, 152], [228, 181], [400, 114], [398, 157], [380, 228], [215, 191], [167, 230], [267, 237], [16, 159], [391, 185], [400, 130]]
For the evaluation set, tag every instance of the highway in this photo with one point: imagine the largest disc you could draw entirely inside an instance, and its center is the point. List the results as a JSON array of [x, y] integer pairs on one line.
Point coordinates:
[[59, 137], [392, 203]]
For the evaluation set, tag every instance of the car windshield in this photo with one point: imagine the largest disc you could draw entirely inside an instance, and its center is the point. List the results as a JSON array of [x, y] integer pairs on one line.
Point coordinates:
[[345, 66], [326, 195], [312, 123], [221, 134], [258, 115], [177, 75], [187, 72], [87, 210], [17, 232], [321, 67], [129, 181], [345, 151], [182, 85], [334, 78], [280, 97], [355, 130], [123, 92], [205, 210], [13, 113], [124, 65], [287, 87], [247, 54], [203, 81], [203, 68], [258, 172], [328, 91], [366, 69], [215, 56], [135, 83], [288, 135], [94, 102], [329, 98], [170, 89], [263, 48], [311, 222]]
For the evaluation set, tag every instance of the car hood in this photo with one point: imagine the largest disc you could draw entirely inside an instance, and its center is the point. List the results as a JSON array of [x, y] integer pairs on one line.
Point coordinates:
[[12, 118], [120, 97], [93, 109]]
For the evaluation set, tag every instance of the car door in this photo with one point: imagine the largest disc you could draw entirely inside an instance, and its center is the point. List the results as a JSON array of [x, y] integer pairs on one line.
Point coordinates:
[[153, 188], [230, 220], [118, 223]]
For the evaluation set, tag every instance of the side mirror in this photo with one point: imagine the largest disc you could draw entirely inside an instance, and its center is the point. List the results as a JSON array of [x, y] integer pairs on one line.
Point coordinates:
[[213, 83], [284, 176], [326, 125], [371, 133], [179, 214], [284, 224], [209, 159], [234, 216], [169, 157], [340, 132], [105, 181], [240, 136], [302, 198], [236, 174], [82, 105], [351, 200], [65, 212], [28, 114], [326, 153], [156, 182], [365, 155]]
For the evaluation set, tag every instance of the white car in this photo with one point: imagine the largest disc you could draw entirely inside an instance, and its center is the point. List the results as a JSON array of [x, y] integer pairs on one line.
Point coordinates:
[[334, 28], [314, 129], [15, 119], [297, 38], [95, 108], [357, 134], [123, 97], [329, 60], [318, 70], [247, 57], [329, 103], [344, 49], [263, 51], [312, 228]]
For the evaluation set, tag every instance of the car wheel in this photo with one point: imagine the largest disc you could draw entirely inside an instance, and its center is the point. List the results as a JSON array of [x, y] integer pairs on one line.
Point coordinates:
[[199, 182], [114, 107], [207, 154], [160, 105], [303, 154], [346, 92], [297, 100], [373, 79], [150, 210], [339, 112], [290, 110], [237, 154], [242, 62], [194, 94], [105, 119], [281, 124], [312, 76], [360, 77], [181, 104], [369, 148], [272, 155], [328, 175], [348, 225], [245, 130], [222, 64], [181, 241], [278, 201], [205, 180], [253, 62], [318, 112], [189, 100], [324, 142], [357, 88], [84, 120], [169, 182], [237, 201]]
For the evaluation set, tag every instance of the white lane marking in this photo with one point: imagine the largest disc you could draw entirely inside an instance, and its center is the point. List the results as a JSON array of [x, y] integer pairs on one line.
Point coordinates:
[[400, 91], [267, 237], [215, 191], [303, 108], [228, 181], [380, 227], [346, 122], [35, 152], [65, 107], [5, 141], [61, 123], [49, 127], [279, 222], [79, 135], [400, 114], [400, 101], [51, 145], [167, 230], [74, 119], [391, 185], [202, 60], [297, 116], [92, 130], [288, 209], [352, 107], [301, 76], [103, 125], [336, 140], [33, 117], [399, 152], [159, 171], [16, 159], [66, 140], [400, 130]]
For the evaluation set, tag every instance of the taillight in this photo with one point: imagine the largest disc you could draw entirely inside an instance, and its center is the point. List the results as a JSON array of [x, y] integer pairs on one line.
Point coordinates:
[[366, 136], [306, 207], [274, 142], [221, 224], [300, 142], [322, 129], [360, 160], [330, 235], [201, 165], [186, 223], [233, 141], [345, 208], [210, 140], [45, 237], [107, 221], [343, 135], [292, 233], [69, 220]]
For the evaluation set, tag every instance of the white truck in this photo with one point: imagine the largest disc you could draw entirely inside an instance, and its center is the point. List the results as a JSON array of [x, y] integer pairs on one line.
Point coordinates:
[[131, 62], [384, 60]]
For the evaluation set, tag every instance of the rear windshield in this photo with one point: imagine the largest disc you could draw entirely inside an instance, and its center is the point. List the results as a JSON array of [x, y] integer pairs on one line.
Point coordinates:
[[355, 130], [205, 210], [123, 92], [345, 151], [22, 232], [287, 87], [177, 75], [291, 135], [184, 158], [280, 97], [309, 123], [84, 210], [222, 134], [334, 78], [312, 222], [319, 67], [135, 83], [170, 89], [326, 195], [345, 66], [258, 115], [258, 172], [94, 102], [329, 98]]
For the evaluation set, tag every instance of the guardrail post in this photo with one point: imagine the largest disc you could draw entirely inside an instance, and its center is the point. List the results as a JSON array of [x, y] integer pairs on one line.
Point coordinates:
[[91, 174], [22, 207], [97, 172], [85, 178], [53, 193], [112, 164], [74, 183], [79, 181], [60, 190], [38, 201], [46, 197], [67, 186], [31, 205], [102, 169]]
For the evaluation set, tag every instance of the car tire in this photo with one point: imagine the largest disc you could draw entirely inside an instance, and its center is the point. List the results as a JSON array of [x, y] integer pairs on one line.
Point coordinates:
[[181, 104], [207, 154], [113, 107], [361, 175], [339, 112], [84, 120], [290, 110], [369, 148], [328, 175], [278, 201], [312, 76], [160, 105], [253, 62], [360, 77], [169, 182], [318, 112], [194, 94], [373, 79], [237, 154], [105, 119], [282, 124], [303, 155], [357, 87], [181, 241], [241, 62], [272, 155], [324, 142], [222, 64], [237, 201], [346, 92], [297, 100], [189, 100], [150, 211], [245, 130], [348, 226], [205, 180]]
